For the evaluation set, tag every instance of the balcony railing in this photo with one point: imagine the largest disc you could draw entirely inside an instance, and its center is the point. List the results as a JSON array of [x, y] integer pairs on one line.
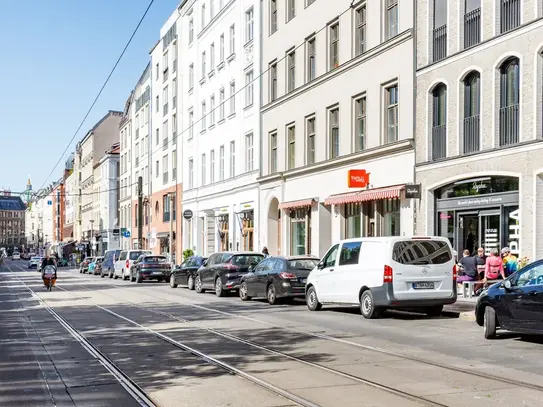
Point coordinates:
[[174, 173], [509, 14], [174, 137], [439, 41], [137, 161], [509, 125], [472, 28], [164, 144], [174, 102], [137, 133], [471, 134], [439, 142]]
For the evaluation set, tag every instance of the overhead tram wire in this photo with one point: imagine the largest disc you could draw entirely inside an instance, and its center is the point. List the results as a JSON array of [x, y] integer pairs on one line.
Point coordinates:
[[34, 195], [161, 147], [100, 92]]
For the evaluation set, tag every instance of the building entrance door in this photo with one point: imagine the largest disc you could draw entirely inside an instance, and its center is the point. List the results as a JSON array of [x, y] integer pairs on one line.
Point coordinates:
[[489, 229], [468, 232]]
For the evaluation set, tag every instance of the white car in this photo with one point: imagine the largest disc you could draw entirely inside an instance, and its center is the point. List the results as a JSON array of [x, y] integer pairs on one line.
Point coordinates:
[[125, 261], [34, 261], [385, 272], [16, 256]]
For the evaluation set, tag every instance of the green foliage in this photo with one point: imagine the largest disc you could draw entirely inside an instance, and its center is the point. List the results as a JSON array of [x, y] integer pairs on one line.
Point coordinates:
[[187, 253]]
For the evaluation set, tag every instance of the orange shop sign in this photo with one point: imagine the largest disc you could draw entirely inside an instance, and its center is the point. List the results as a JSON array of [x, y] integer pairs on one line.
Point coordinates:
[[358, 179]]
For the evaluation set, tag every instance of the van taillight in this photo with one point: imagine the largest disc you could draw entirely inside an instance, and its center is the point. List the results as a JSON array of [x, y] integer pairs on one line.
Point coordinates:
[[455, 273], [127, 264], [387, 275]]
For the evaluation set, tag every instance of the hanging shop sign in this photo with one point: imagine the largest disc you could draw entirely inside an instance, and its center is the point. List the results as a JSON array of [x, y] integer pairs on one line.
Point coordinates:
[[412, 191], [358, 178]]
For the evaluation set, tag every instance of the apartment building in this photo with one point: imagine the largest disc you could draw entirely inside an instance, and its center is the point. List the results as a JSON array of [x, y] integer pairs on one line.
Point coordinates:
[[69, 200], [163, 200], [479, 127], [126, 187], [221, 132], [12, 221], [337, 120], [59, 210]]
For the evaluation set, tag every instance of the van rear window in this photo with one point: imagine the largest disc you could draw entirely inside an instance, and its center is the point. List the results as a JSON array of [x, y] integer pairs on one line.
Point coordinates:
[[414, 252]]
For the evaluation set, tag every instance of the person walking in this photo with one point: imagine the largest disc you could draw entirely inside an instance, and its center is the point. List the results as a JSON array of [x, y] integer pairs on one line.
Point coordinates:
[[265, 252]]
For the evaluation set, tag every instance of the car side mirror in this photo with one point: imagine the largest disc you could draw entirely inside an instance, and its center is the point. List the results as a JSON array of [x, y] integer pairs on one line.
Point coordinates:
[[204, 263], [507, 285], [251, 268], [320, 265]]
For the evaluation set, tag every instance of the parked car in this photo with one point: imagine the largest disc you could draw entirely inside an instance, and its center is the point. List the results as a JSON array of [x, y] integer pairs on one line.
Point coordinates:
[[185, 273], [95, 267], [34, 261], [108, 264], [222, 272], [386, 272], [16, 256], [125, 262], [515, 304], [277, 277], [150, 267], [84, 266]]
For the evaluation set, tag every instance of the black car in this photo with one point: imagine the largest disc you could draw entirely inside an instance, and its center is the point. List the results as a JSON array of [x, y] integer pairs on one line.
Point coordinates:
[[222, 272], [150, 267], [515, 304], [108, 264], [277, 277], [186, 272]]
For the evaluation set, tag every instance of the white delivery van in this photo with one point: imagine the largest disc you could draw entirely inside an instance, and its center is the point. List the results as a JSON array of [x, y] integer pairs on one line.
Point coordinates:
[[385, 272]]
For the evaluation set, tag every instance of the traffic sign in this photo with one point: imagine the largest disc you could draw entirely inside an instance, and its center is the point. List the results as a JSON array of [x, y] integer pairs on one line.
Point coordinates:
[[126, 233], [49, 203], [187, 214]]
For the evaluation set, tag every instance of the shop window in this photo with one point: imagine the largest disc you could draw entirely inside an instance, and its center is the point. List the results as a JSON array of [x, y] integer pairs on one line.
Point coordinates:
[[224, 228], [247, 230], [478, 186], [300, 221], [391, 217], [446, 225], [353, 220]]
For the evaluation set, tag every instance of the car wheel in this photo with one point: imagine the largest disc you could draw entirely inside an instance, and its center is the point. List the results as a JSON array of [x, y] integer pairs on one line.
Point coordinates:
[[173, 284], [312, 300], [190, 283], [271, 294], [490, 323], [198, 285], [139, 280], [434, 311], [219, 292], [367, 306], [243, 290]]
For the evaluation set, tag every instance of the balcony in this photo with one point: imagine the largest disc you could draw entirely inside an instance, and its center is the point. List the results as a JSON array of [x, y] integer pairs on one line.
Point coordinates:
[[439, 142], [509, 15], [439, 43], [509, 125], [472, 28], [471, 134]]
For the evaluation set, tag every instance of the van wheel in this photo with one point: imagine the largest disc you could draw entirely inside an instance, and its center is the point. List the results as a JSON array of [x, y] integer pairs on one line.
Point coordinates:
[[312, 300], [367, 306], [490, 323], [434, 311]]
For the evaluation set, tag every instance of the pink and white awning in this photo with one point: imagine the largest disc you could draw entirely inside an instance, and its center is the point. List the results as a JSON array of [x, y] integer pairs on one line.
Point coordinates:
[[302, 203], [367, 195]]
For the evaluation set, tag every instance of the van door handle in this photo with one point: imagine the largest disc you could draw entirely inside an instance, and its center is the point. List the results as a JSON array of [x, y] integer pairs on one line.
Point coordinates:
[[331, 269]]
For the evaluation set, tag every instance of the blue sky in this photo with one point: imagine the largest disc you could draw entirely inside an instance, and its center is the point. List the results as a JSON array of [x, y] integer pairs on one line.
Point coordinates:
[[56, 55]]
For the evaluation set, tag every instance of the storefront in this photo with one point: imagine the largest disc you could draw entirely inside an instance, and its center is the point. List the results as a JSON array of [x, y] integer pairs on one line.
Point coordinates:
[[479, 212], [246, 222]]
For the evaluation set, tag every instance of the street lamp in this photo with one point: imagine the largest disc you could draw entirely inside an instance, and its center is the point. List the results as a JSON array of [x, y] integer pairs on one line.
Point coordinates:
[[92, 236]]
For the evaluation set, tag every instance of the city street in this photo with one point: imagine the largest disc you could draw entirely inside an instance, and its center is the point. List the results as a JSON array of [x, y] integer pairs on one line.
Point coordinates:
[[101, 342]]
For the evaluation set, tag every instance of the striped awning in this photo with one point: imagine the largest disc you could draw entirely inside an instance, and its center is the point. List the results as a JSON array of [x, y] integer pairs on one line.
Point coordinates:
[[363, 196], [297, 204]]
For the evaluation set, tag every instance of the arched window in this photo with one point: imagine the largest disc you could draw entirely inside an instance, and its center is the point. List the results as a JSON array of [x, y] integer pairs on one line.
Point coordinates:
[[439, 122], [509, 101], [472, 111]]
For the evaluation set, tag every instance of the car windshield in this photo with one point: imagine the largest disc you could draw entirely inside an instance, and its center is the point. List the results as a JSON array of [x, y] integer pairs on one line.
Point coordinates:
[[302, 264], [246, 260], [135, 255], [155, 259], [421, 252]]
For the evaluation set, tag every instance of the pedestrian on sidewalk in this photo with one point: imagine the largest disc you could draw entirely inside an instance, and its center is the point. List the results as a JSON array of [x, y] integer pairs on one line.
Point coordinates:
[[265, 252]]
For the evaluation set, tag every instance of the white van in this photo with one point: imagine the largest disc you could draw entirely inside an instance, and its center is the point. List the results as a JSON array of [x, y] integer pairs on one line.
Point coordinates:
[[385, 272], [122, 266]]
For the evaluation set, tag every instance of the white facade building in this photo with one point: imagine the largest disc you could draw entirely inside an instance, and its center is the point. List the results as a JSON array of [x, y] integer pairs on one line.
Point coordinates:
[[70, 203], [125, 188], [220, 64], [337, 117]]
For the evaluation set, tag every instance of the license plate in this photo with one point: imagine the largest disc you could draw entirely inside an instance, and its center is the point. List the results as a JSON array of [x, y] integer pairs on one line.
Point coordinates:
[[157, 272], [423, 286]]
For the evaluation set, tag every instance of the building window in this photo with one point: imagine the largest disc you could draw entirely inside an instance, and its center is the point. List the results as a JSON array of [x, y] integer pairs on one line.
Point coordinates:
[[249, 25], [472, 23], [232, 159], [212, 166], [353, 220], [232, 98], [204, 115], [157, 168], [174, 165], [174, 128], [212, 111], [232, 39], [273, 153], [439, 39], [174, 93], [203, 15], [291, 71], [291, 147], [249, 89], [333, 116], [191, 30], [273, 16], [334, 46], [360, 33], [391, 114], [300, 226], [311, 60], [509, 15], [212, 56], [249, 153], [165, 208], [191, 173], [165, 135], [204, 169], [191, 124], [439, 122], [221, 48], [191, 77], [221, 104], [165, 99], [291, 9], [273, 81], [310, 129], [391, 217], [165, 169], [211, 9], [509, 102], [391, 22], [360, 125], [221, 163], [157, 103], [472, 108], [203, 64], [157, 137]]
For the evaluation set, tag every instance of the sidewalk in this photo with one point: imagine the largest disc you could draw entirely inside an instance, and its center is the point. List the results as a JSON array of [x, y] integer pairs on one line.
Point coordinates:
[[42, 364], [464, 307]]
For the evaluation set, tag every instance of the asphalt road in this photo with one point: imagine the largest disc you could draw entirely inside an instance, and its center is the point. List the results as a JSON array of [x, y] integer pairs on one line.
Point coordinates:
[[102, 342]]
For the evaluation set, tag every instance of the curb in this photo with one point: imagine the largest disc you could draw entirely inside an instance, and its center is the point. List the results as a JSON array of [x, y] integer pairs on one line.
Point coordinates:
[[465, 316]]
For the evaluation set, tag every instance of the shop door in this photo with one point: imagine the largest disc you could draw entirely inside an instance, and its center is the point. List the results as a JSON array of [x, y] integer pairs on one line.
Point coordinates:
[[489, 229], [468, 236]]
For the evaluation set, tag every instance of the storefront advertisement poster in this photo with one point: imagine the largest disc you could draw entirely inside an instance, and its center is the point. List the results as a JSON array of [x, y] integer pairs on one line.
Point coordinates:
[[514, 232]]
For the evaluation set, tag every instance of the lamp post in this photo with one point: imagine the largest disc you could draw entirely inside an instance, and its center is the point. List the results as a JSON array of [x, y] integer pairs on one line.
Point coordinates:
[[92, 236]]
